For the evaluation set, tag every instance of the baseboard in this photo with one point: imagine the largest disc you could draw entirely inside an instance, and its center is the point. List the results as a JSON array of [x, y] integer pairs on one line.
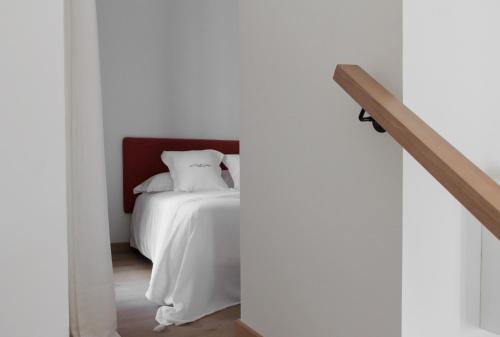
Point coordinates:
[[120, 247], [243, 330]]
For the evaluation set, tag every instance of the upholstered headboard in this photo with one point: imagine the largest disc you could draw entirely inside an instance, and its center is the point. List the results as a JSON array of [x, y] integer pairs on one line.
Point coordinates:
[[141, 159]]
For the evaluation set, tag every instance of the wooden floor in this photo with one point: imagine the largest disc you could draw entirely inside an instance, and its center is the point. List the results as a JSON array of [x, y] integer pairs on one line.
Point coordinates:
[[136, 314]]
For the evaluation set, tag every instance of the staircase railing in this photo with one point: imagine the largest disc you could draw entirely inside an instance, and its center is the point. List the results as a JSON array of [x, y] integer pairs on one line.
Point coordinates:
[[465, 181]]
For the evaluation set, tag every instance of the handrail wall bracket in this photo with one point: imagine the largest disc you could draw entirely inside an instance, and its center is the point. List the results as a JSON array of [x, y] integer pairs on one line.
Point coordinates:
[[375, 124]]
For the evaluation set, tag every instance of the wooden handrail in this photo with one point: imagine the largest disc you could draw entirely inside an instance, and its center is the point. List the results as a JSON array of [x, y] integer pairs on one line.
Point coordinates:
[[465, 181]]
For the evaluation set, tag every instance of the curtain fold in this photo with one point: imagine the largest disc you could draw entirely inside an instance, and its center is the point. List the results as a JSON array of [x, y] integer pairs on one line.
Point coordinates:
[[92, 303]]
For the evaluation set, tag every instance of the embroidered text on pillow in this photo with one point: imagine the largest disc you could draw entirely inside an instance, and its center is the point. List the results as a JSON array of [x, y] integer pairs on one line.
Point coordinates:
[[200, 165]]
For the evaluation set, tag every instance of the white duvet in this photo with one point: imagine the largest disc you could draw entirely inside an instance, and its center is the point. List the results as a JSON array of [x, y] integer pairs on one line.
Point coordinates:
[[193, 241]]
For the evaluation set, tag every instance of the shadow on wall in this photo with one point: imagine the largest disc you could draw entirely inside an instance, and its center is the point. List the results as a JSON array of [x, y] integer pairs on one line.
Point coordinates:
[[489, 307], [480, 270], [470, 287]]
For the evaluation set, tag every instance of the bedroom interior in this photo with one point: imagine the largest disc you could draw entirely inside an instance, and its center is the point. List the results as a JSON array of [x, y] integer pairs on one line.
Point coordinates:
[[122, 127], [170, 83]]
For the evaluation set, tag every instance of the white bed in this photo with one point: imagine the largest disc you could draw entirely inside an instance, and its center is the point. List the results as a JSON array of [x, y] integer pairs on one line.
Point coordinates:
[[193, 241]]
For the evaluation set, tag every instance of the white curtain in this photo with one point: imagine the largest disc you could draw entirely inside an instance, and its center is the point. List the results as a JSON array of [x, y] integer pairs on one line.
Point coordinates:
[[92, 303]]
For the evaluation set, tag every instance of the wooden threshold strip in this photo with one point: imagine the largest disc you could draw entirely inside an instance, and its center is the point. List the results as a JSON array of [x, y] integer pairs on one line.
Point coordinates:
[[465, 181], [243, 330]]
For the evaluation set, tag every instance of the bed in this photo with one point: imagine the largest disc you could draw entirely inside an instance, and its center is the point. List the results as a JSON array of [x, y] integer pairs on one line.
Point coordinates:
[[192, 238]]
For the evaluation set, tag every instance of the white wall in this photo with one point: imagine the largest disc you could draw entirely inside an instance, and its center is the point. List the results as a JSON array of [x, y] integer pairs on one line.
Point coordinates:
[[33, 252], [169, 69], [451, 73], [490, 279], [321, 195]]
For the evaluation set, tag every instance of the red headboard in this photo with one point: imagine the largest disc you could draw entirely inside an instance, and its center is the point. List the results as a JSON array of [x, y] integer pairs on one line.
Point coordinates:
[[141, 159]]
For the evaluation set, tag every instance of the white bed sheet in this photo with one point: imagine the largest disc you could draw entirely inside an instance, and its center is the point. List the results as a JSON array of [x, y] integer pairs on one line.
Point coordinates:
[[193, 241]]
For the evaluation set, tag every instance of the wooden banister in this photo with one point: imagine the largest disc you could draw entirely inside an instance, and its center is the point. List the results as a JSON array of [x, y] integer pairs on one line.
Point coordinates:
[[465, 181]]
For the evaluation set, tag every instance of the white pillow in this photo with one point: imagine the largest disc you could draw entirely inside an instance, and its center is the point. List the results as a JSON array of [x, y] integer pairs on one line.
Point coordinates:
[[232, 162], [195, 170], [160, 182]]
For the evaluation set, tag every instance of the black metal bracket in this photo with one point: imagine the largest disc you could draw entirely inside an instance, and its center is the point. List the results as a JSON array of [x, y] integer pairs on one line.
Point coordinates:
[[376, 125]]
